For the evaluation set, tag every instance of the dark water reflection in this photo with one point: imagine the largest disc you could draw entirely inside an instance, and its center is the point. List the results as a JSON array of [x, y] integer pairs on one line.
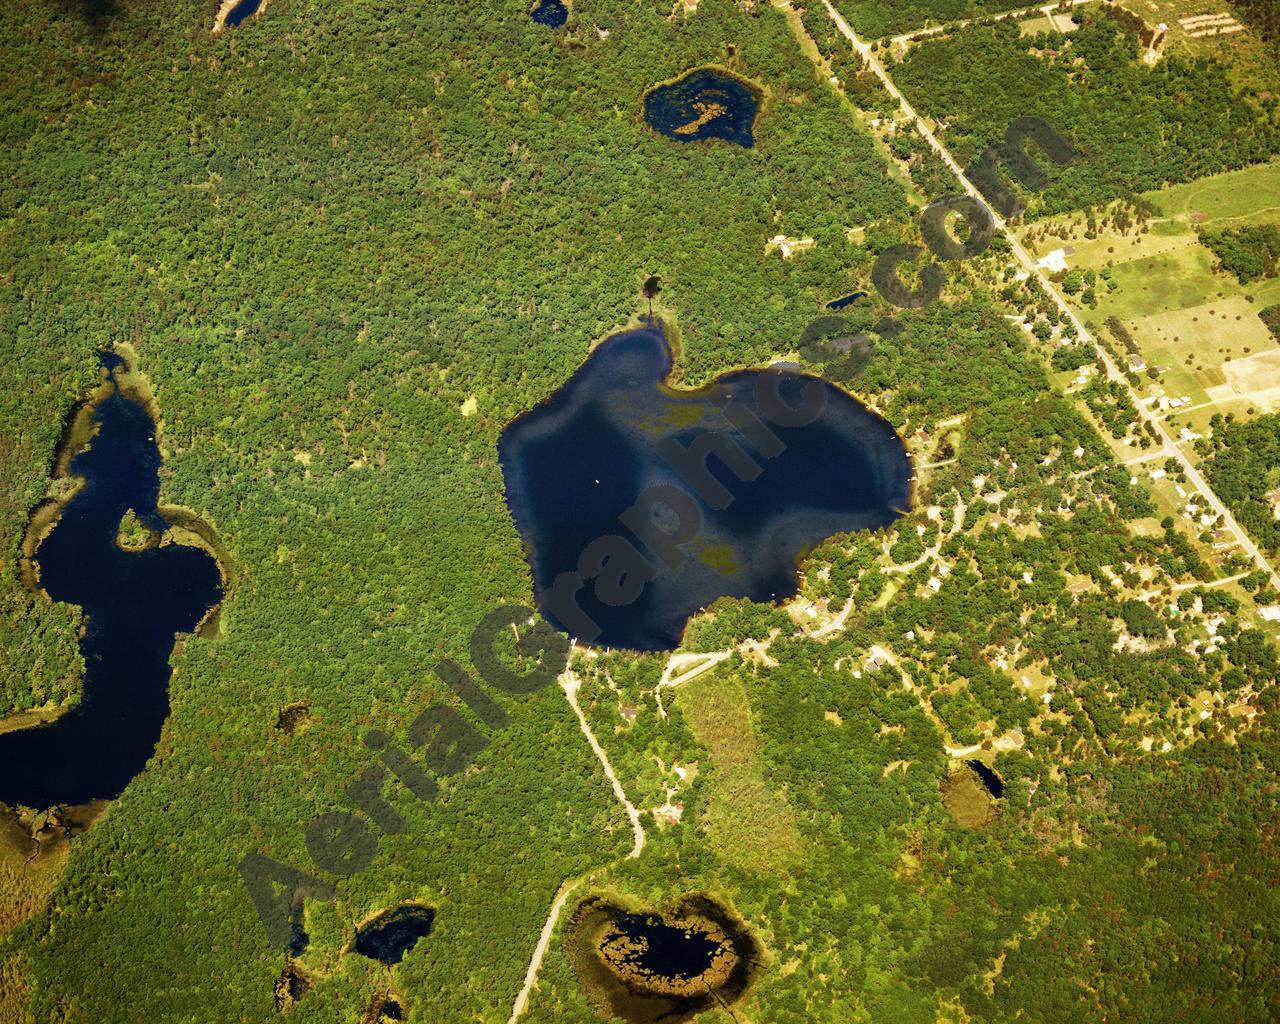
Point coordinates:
[[993, 783], [134, 602], [667, 966], [845, 300], [551, 13], [244, 9], [390, 935], [575, 463]]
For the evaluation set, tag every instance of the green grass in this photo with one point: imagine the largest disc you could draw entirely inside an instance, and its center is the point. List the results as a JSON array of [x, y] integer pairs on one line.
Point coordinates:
[[1178, 279], [1223, 196], [747, 818], [966, 799]]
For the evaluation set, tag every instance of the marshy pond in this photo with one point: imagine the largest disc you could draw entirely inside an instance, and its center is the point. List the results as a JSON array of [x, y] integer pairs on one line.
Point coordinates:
[[136, 599], [989, 779], [574, 464], [706, 103], [551, 13], [390, 935], [665, 966]]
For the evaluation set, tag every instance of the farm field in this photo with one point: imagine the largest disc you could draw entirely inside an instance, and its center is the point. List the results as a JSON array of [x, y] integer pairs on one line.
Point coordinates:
[[1197, 324]]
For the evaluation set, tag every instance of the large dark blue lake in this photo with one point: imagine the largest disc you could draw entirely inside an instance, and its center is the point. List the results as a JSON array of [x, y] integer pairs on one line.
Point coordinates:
[[578, 461], [134, 602], [704, 104]]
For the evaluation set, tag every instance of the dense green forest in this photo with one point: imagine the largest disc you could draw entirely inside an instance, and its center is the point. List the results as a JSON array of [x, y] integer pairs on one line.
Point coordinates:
[[1136, 127], [1263, 15], [1271, 317], [874, 903], [1249, 252], [349, 245], [1243, 467], [872, 19], [323, 232]]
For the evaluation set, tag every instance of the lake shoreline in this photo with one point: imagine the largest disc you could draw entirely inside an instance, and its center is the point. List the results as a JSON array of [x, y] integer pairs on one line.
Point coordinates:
[[611, 444]]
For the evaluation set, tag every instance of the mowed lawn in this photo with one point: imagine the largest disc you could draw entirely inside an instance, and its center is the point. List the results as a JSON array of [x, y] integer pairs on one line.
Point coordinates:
[[1173, 280]]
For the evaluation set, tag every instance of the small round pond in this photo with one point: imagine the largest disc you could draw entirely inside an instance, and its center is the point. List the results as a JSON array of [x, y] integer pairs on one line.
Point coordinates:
[[706, 103], [551, 13], [669, 966]]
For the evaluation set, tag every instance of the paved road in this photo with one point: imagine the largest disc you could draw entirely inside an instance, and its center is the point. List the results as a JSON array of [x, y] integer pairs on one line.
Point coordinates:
[[1193, 474]]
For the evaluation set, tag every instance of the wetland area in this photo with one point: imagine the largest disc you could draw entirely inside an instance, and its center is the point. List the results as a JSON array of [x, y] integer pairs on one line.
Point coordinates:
[[706, 103], [670, 965]]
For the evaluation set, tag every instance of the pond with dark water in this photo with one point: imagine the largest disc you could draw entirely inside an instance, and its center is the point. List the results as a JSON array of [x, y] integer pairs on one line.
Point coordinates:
[[706, 103], [390, 935], [244, 9], [134, 603], [845, 300], [993, 783], [551, 13], [577, 462], [668, 965]]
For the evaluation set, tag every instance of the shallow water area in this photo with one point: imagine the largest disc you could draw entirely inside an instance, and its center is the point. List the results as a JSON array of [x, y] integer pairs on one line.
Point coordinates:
[[577, 462]]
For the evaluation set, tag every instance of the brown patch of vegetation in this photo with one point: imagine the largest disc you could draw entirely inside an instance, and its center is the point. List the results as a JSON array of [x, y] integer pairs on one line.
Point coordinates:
[[967, 800], [294, 717]]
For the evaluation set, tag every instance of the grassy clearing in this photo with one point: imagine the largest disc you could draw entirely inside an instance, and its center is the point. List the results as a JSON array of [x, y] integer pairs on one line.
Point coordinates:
[[1178, 279], [1200, 326], [966, 799], [1250, 63], [1035, 26], [1229, 196], [748, 819], [1208, 334]]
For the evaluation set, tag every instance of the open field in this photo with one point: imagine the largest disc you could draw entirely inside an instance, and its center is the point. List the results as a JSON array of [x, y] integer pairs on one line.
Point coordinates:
[[1199, 326], [1236, 195], [1247, 56]]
